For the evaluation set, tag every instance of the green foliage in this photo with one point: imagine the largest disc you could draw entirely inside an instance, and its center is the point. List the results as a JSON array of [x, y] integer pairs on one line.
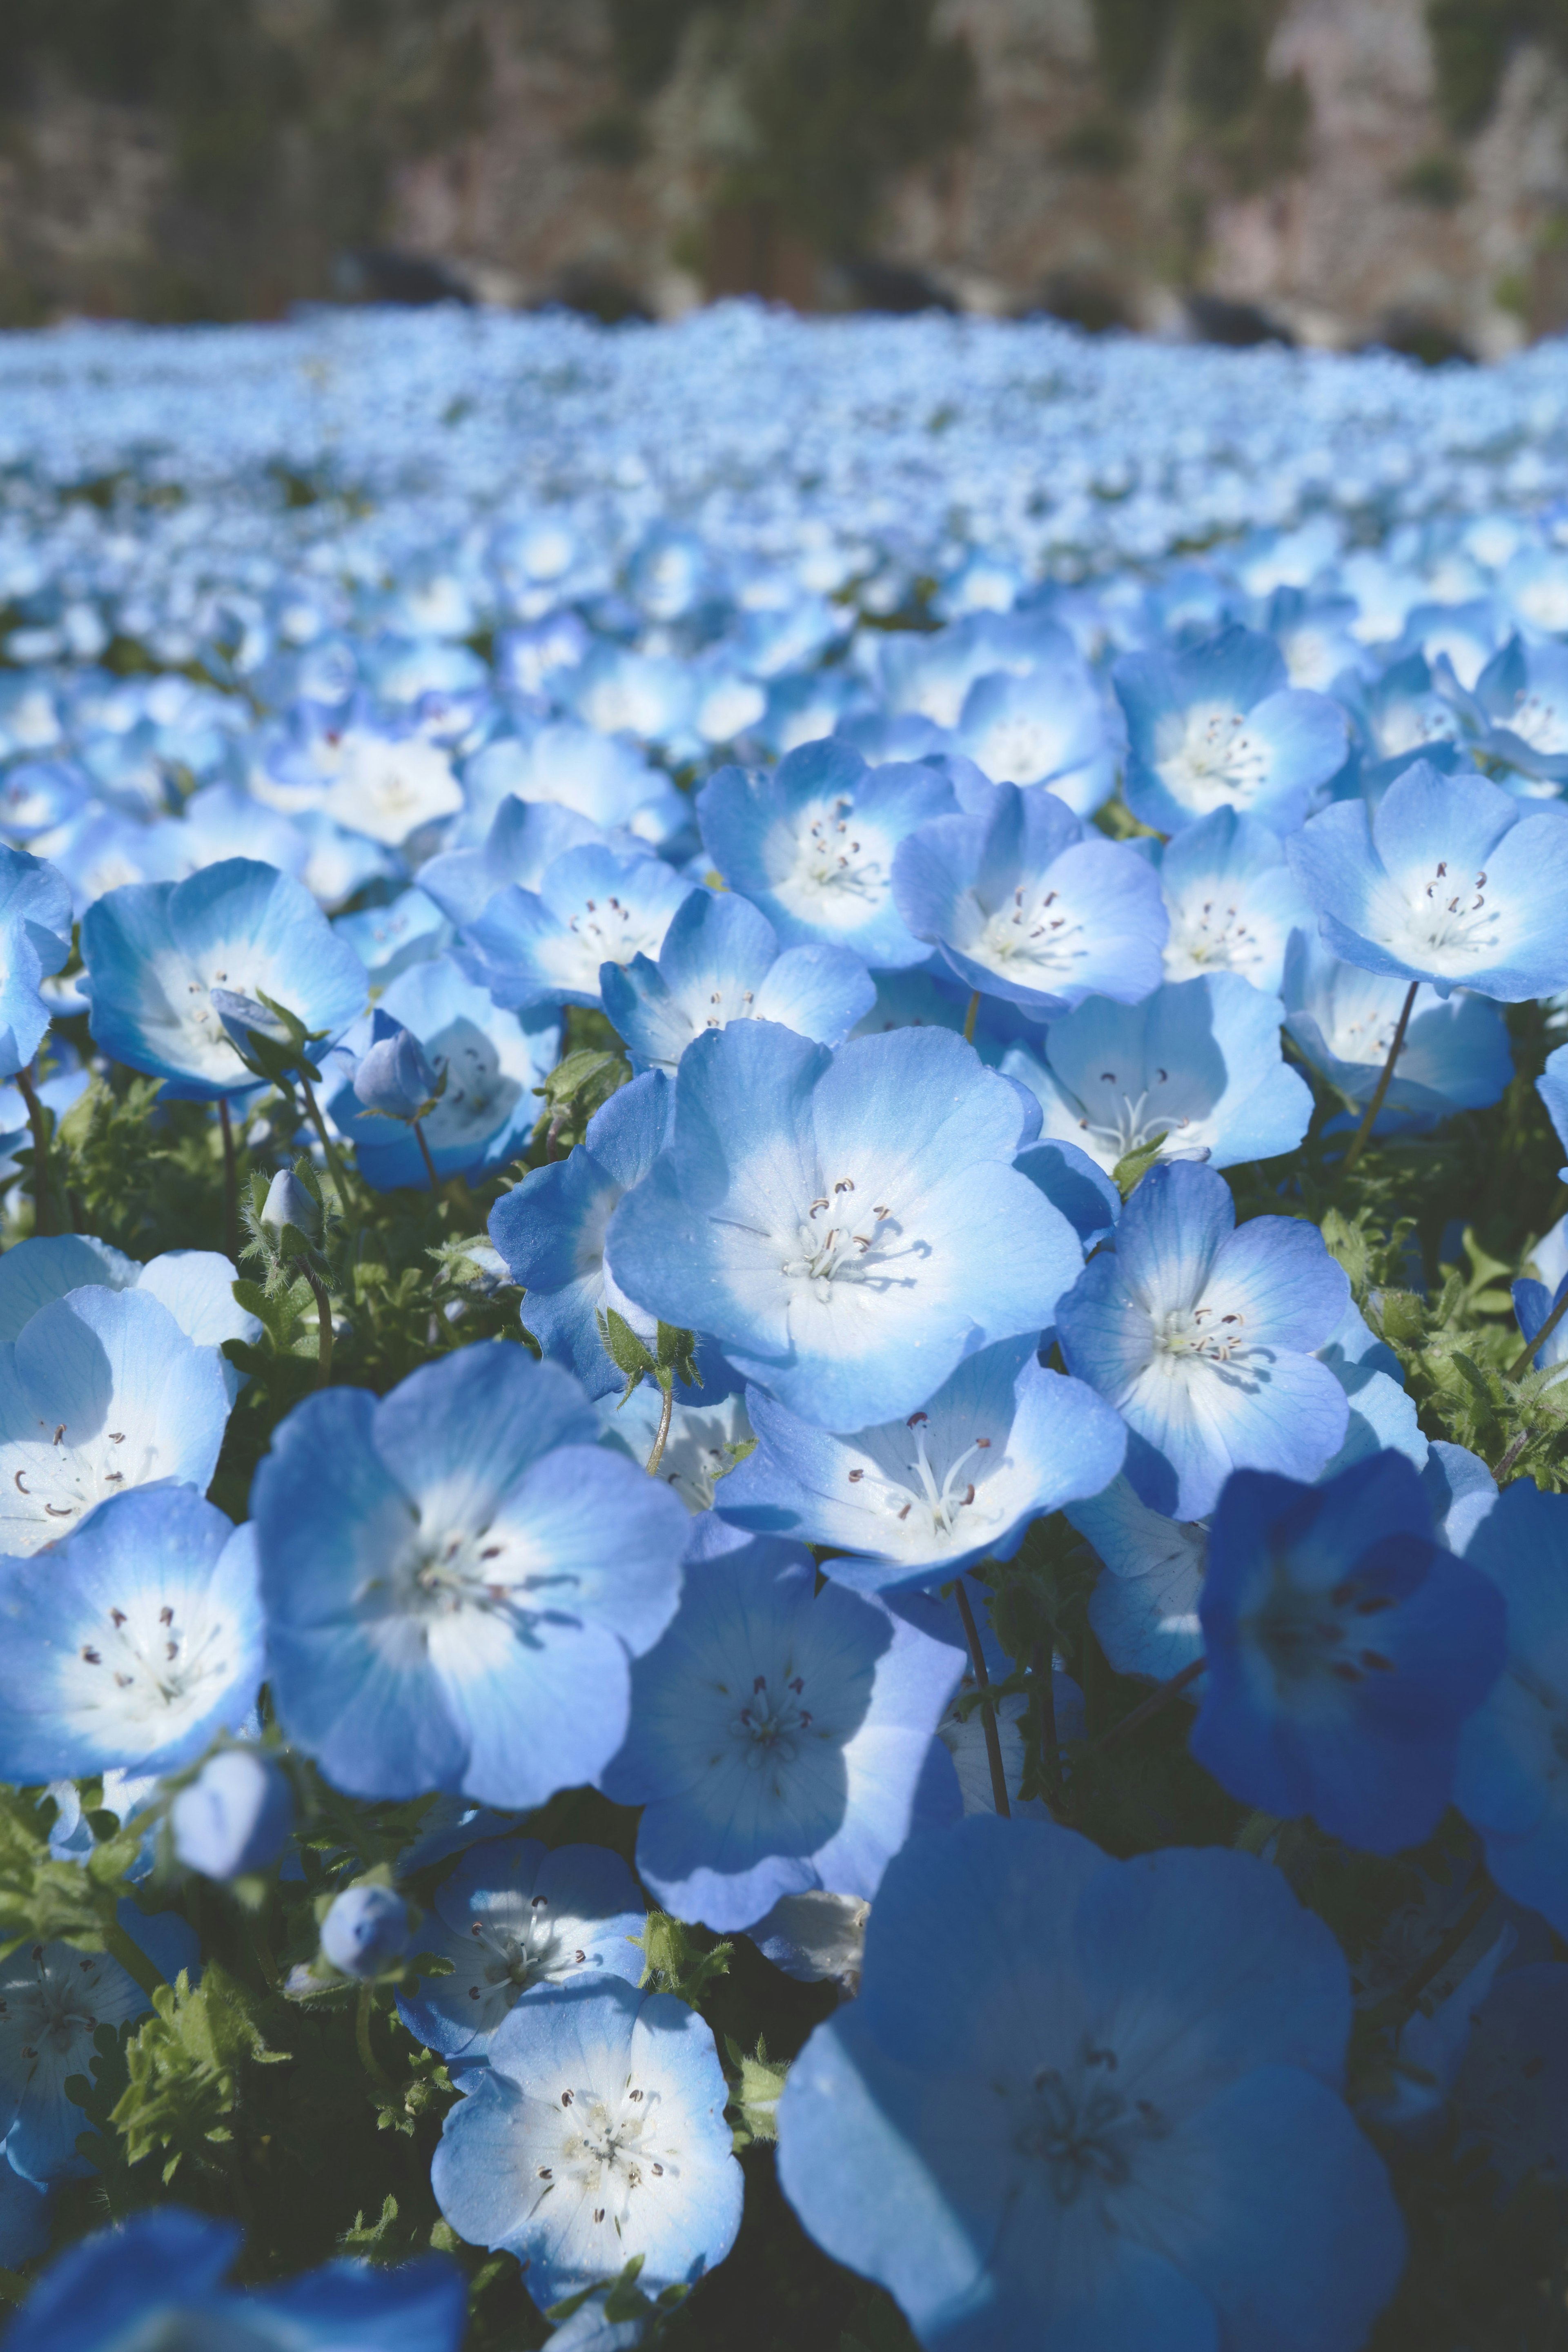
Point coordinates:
[[758, 2082], [682, 1959], [186, 2065], [579, 1084]]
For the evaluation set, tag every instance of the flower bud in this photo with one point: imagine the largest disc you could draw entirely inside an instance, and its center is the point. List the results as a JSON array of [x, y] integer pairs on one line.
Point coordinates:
[[289, 1203], [395, 1078], [365, 1930], [234, 1817], [241, 1014]]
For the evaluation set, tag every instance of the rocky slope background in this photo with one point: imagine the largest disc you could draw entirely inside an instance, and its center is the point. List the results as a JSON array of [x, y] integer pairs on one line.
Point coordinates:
[[1339, 170]]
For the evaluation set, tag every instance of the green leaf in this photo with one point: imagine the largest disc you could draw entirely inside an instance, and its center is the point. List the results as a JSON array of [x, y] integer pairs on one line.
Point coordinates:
[[753, 2104], [680, 1959], [1133, 1166], [624, 1350]]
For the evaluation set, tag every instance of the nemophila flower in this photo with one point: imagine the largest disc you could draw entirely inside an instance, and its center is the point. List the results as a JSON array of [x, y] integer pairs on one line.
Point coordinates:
[[1345, 1649], [154, 953], [1195, 1067], [1048, 727], [523, 841], [812, 843], [234, 1817], [551, 1230], [101, 1392], [35, 942], [1144, 1607], [847, 1226], [1552, 1085], [1220, 727], [367, 1930], [1522, 694], [196, 1286], [702, 1446], [1112, 2117], [157, 2280], [592, 908], [1025, 907], [132, 1643], [599, 777], [1201, 1334], [1456, 1055], [816, 1937], [453, 1584], [1001, 1443], [388, 939], [780, 1741], [379, 780], [53, 1999], [1072, 1183], [720, 961], [516, 1919], [490, 1059], [1451, 881], [595, 2134], [1534, 1300], [1513, 1781], [1231, 898]]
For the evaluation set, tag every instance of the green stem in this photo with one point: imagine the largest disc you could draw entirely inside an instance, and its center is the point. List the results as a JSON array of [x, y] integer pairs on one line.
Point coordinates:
[[656, 1456], [1157, 1700], [1521, 1362], [334, 1161], [264, 1960], [1255, 1832], [987, 1706], [43, 1220], [1369, 1117], [323, 1323], [131, 1957], [424, 1155], [230, 1185], [971, 1017], [368, 2058]]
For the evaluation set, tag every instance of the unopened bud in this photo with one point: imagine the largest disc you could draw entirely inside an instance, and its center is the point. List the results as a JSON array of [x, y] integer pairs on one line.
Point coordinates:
[[395, 1078], [289, 1203], [366, 1930], [234, 1816]]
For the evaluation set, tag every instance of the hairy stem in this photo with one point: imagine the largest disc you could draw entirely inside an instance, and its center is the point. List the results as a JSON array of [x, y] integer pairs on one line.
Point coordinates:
[[987, 1706], [368, 2059], [656, 1456], [323, 1323], [424, 1155], [1369, 1117], [335, 1159], [230, 1185]]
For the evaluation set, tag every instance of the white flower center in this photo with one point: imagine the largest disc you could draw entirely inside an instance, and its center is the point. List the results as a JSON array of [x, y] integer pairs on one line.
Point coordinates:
[[1539, 722], [1184, 1333], [1214, 936], [839, 1240], [519, 1957], [1036, 931], [56, 2014], [1454, 916], [612, 932], [832, 860], [610, 2147], [1218, 764], [148, 1664], [1127, 1122], [936, 1501]]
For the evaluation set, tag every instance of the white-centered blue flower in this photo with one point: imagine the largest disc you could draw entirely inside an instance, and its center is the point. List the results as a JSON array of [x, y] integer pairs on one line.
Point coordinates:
[[1455, 1054], [1001, 1443], [1231, 898], [35, 942], [595, 2134], [1196, 1067], [720, 961], [781, 1739], [1220, 727], [196, 1286], [547, 946], [847, 1226]]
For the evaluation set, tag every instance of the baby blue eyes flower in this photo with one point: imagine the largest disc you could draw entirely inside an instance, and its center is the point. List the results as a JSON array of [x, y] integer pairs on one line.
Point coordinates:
[[847, 1225], [1050, 727], [35, 942], [1231, 898], [1024, 906], [155, 951], [395, 1078], [514, 1918], [721, 962], [1220, 728], [813, 845], [1196, 1066], [1345, 1650], [53, 1999], [1001, 1443], [101, 1392], [1512, 1782], [234, 1817], [156, 2282], [780, 1742], [1202, 1336], [1456, 1055], [1113, 2120], [366, 1930], [594, 907], [130, 1645], [1450, 882], [453, 1578], [595, 2134], [1552, 1085]]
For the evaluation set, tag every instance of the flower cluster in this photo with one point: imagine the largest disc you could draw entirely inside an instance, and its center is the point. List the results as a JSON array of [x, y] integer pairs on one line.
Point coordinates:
[[781, 1337]]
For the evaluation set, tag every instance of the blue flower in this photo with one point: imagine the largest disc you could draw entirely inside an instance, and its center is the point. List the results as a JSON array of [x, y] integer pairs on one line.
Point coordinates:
[[594, 906], [1456, 1055], [101, 1392], [1001, 1443], [35, 942], [721, 962], [155, 950], [394, 1078], [1197, 1064], [780, 1742], [516, 1921], [1522, 694], [1534, 1300], [53, 1999], [596, 777], [522, 842], [196, 1287], [132, 1643], [234, 1817], [388, 939], [1449, 882], [1201, 1335], [1220, 728], [1025, 907], [1345, 1649], [453, 1584], [813, 843], [367, 1930], [1231, 898], [1106, 2115], [491, 1059], [1552, 1085], [595, 2134], [157, 2279], [702, 1446], [847, 1226], [1048, 727], [1513, 1782]]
